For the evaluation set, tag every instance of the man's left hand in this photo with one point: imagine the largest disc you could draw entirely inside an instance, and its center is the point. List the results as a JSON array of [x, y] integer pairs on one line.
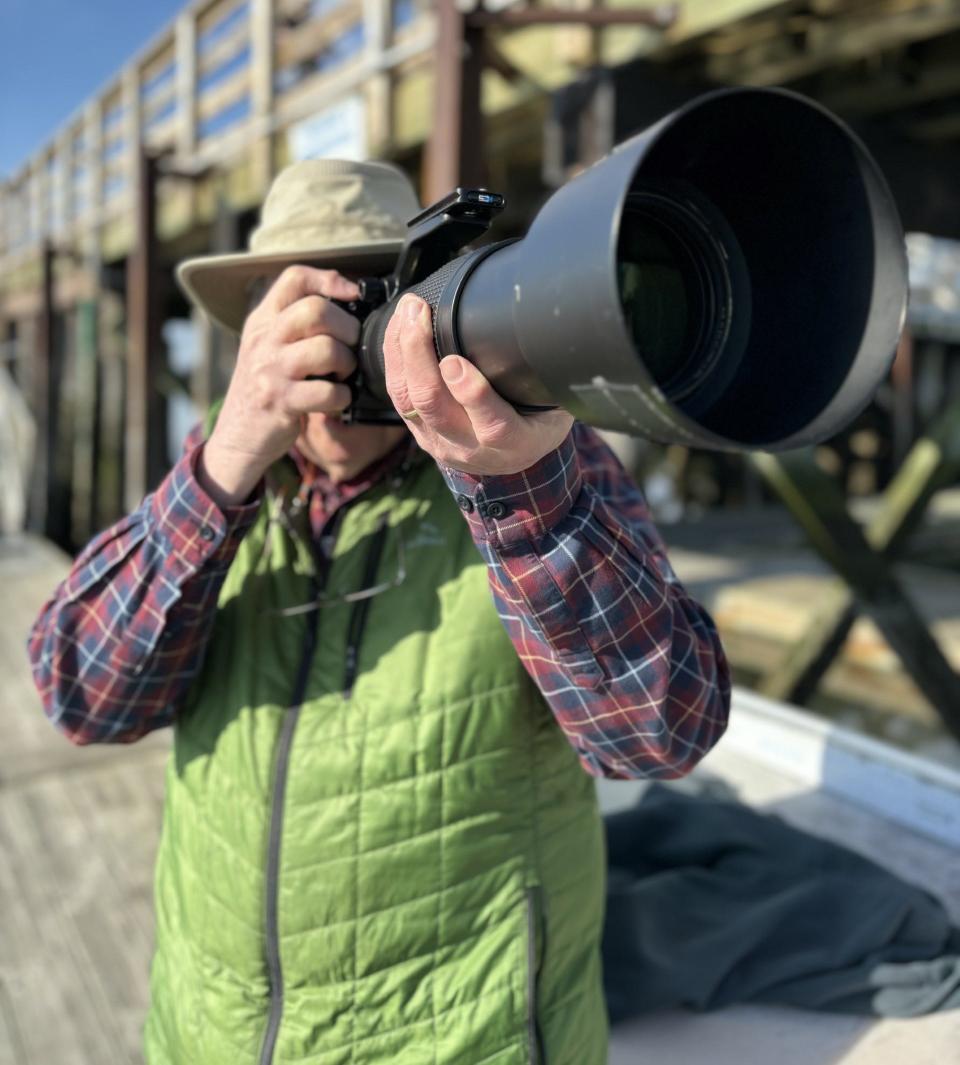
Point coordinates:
[[460, 420]]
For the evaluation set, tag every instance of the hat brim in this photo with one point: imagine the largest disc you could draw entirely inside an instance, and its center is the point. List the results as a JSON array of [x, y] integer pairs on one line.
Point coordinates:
[[220, 284]]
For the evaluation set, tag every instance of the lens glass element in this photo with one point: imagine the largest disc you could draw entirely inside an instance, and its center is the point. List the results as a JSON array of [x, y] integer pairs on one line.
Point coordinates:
[[653, 292], [676, 294]]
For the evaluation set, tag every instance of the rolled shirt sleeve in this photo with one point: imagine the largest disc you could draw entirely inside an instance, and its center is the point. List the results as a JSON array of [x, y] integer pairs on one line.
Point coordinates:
[[631, 665], [115, 648]]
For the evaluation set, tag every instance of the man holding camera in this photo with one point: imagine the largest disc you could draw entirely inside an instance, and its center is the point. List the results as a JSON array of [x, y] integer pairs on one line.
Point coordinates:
[[393, 657]]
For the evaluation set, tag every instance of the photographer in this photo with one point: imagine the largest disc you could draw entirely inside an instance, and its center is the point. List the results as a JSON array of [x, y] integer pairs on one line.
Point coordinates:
[[393, 658]]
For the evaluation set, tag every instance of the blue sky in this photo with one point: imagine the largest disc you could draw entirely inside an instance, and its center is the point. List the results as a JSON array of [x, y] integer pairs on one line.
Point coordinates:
[[55, 54]]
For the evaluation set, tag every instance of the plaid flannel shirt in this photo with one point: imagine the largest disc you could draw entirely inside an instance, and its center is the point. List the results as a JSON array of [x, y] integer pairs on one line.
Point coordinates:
[[630, 665]]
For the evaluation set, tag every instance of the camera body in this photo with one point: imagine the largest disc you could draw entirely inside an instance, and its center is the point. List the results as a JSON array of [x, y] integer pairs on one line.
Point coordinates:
[[435, 237]]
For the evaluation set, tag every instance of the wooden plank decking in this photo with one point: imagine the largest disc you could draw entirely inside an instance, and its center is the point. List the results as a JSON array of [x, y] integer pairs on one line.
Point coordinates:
[[78, 830]]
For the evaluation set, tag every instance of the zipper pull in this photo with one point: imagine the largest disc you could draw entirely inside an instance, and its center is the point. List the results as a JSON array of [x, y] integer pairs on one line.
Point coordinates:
[[350, 672]]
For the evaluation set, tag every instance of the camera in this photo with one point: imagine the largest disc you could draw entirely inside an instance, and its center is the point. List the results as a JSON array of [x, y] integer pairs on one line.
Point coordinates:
[[733, 277]]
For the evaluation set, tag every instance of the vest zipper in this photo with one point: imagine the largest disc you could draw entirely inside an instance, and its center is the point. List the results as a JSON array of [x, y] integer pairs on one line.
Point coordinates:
[[361, 608], [324, 558], [281, 764], [534, 965]]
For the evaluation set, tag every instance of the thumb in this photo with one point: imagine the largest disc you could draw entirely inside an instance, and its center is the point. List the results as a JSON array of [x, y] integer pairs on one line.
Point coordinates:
[[492, 417]]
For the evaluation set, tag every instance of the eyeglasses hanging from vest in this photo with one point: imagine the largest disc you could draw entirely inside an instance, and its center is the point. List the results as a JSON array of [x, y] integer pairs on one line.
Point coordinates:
[[279, 513]]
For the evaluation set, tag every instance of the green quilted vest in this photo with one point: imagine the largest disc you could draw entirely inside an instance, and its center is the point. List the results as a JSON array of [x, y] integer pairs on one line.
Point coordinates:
[[378, 846]]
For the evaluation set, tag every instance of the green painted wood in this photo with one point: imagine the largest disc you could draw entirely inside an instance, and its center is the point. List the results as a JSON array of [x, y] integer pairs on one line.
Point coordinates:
[[863, 558]]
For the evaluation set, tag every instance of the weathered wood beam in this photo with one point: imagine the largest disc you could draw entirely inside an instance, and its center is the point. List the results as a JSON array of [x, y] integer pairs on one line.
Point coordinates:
[[454, 154], [699, 19], [210, 15], [798, 675], [110, 440], [224, 94], [44, 383], [186, 83], [378, 90], [132, 126], [863, 560], [826, 42], [943, 127], [145, 450], [495, 59], [217, 350], [892, 90], [262, 28], [932, 464], [659, 16], [226, 48], [83, 503], [309, 39], [63, 186]]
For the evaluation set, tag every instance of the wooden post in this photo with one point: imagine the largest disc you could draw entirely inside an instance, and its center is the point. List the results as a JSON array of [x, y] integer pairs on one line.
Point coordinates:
[[216, 352], [146, 423], [186, 82], [132, 113], [901, 378], [140, 302], [83, 513], [44, 390], [377, 23], [6, 222], [63, 189], [93, 150], [261, 87], [454, 154], [111, 391], [44, 215]]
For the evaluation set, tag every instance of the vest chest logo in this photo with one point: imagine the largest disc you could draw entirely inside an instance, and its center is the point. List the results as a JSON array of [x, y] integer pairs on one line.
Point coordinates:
[[427, 535]]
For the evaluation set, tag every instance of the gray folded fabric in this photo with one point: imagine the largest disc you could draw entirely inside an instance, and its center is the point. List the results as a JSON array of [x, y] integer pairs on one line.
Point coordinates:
[[710, 902]]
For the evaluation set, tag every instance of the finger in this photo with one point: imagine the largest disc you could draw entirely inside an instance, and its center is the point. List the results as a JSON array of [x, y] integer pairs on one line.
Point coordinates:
[[318, 356], [298, 281], [492, 419], [393, 361], [315, 316], [425, 388], [306, 397]]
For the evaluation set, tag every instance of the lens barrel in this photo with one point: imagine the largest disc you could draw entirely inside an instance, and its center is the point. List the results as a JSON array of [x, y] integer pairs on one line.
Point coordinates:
[[735, 276]]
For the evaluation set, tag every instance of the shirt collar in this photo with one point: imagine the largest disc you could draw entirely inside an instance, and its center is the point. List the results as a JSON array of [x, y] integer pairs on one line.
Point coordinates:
[[315, 479]]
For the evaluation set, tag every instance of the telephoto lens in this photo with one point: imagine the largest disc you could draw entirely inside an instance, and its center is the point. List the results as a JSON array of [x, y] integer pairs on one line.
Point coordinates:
[[733, 277]]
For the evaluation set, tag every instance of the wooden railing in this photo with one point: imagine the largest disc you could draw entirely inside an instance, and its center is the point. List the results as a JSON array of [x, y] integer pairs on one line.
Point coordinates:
[[222, 74]]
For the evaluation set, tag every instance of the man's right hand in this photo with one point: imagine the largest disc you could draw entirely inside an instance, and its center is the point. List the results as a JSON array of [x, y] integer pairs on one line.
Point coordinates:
[[295, 332]]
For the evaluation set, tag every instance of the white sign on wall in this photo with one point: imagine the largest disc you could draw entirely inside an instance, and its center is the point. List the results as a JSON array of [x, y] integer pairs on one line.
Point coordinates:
[[336, 132]]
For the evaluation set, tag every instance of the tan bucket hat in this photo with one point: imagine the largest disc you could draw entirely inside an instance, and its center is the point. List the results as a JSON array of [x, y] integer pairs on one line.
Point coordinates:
[[322, 212]]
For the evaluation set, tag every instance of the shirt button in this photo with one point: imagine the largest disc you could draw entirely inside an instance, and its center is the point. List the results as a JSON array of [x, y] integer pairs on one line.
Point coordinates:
[[496, 509], [206, 533], [465, 503]]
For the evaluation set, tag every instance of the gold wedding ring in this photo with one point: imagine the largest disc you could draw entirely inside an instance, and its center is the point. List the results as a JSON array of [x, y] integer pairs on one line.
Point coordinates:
[[410, 414]]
